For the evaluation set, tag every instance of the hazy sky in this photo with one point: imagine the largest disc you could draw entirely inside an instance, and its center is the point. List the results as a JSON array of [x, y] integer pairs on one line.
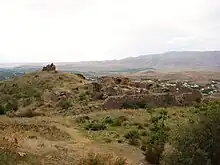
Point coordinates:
[[76, 30]]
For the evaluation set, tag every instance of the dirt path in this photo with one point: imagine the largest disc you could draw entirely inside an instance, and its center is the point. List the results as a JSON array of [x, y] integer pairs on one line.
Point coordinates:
[[53, 140]]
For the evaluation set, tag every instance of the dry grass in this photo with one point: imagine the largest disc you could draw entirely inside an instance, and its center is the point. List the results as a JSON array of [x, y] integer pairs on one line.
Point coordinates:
[[101, 159], [48, 91]]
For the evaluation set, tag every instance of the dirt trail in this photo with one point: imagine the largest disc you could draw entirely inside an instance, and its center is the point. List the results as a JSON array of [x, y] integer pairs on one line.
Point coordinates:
[[52, 140]]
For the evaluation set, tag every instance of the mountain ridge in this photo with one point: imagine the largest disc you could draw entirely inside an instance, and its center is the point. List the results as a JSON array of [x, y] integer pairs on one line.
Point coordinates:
[[168, 61]]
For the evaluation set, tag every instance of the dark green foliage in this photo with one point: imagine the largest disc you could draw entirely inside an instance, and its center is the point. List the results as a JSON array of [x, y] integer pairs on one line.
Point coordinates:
[[108, 120], [118, 121], [197, 143], [11, 105], [157, 137], [95, 126], [2, 110], [143, 133], [65, 104], [133, 136]]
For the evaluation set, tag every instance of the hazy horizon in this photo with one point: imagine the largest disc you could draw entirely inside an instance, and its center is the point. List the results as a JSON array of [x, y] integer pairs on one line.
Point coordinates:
[[39, 31]]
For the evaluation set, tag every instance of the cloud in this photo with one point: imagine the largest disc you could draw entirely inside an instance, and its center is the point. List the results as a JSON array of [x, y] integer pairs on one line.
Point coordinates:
[[73, 30]]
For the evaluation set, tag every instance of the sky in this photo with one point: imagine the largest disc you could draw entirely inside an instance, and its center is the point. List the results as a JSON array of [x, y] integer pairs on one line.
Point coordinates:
[[83, 30]]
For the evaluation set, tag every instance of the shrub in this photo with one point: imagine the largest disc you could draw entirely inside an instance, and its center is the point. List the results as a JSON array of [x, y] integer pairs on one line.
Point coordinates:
[[143, 133], [2, 110], [11, 105], [157, 137], [108, 120], [118, 121], [27, 102], [132, 136], [197, 143], [98, 159], [95, 126], [65, 104], [82, 119]]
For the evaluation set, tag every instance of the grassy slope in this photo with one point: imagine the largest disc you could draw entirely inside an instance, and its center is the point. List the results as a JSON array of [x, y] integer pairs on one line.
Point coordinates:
[[43, 90]]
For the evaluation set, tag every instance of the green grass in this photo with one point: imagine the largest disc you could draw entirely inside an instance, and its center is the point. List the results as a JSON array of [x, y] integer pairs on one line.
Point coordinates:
[[147, 130], [118, 123]]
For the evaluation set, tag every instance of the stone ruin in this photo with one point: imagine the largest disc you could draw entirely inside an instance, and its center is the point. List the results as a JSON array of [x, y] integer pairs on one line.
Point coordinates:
[[49, 67], [120, 91]]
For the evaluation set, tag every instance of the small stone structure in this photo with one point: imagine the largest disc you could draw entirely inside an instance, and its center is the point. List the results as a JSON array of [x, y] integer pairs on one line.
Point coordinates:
[[49, 67]]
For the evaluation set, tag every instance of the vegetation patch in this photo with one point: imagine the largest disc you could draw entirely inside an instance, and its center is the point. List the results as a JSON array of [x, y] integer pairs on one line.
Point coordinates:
[[197, 142], [65, 104], [2, 110], [132, 136], [101, 159]]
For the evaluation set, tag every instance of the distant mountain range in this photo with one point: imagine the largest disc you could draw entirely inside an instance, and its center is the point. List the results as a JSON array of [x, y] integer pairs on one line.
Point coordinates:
[[166, 62]]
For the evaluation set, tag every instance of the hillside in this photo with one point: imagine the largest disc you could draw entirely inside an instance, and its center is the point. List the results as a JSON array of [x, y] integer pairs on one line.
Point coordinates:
[[46, 92], [52, 117], [170, 61]]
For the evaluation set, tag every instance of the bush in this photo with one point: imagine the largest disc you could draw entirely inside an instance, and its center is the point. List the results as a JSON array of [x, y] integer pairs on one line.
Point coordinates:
[[65, 104], [27, 102], [2, 110], [197, 143], [118, 121], [95, 126], [132, 136], [82, 119], [11, 105], [143, 133], [108, 120], [98, 159], [157, 137]]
